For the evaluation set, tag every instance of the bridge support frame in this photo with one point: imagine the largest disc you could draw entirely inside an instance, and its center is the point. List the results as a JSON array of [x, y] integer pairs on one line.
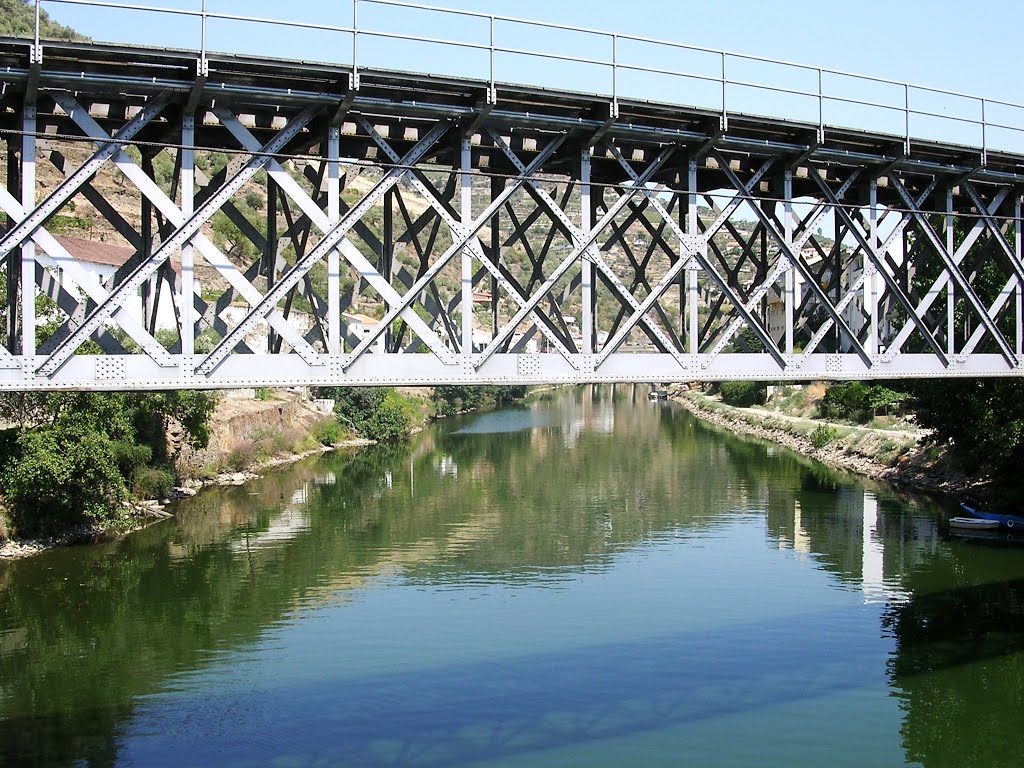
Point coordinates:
[[425, 234]]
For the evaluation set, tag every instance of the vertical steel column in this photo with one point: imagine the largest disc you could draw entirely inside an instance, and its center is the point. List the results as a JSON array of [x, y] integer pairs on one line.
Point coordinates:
[[270, 254], [466, 180], [790, 276], [387, 261], [334, 257], [146, 232], [1018, 245], [13, 265], [28, 249], [692, 227], [586, 267], [950, 296], [871, 282], [497, 185], [187, 192]]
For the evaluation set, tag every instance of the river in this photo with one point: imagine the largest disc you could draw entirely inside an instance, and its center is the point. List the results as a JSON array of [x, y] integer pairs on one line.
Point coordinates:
[[590, 580]]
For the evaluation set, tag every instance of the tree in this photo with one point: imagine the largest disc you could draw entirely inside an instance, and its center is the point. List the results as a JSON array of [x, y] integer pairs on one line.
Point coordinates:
[[74, 455], [17, 19]]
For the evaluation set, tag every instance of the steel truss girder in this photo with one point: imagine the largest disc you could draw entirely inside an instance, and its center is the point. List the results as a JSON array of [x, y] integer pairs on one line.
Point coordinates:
[[187, 232], [795, 258], [735, 284], [953, 271]]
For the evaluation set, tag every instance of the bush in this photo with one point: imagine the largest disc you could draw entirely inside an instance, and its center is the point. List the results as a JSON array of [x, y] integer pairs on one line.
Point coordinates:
[[823, 435], [62, 478], [849, 401], [242, 456], [329, 432], [743, 394], [391, 421], [152, 483], [357, 405], [858, 402]]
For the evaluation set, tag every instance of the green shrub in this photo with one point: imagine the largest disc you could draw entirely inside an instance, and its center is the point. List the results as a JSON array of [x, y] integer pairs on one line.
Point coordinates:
[[823, 435], [858, 402], [264, 393], [152, 483], [329, 432], [63, 477], [391, 420], [242, 456], [743, 394]]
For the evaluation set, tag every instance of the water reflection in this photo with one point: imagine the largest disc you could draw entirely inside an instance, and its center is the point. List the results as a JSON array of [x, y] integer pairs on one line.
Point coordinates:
[[607, 569]]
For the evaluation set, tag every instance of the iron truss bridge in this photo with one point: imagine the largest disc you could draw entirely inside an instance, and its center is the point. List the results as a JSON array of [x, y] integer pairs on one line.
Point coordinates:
[[179, 218]]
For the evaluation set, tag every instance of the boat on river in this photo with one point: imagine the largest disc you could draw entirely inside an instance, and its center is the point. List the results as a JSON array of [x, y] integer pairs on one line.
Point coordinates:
[[973, 524], [1004, 522]]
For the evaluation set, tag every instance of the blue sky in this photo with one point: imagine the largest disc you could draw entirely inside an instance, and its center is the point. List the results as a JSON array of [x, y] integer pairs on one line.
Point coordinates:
[[930, 43]]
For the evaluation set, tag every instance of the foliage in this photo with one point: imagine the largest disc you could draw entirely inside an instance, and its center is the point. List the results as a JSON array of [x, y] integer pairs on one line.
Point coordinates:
[[823, 435], [744, 394], [264, 393], [375, 413], [858, 402], [452, 399], [356, 405], [329, 432], [392, 419], [983, 419], [73, 456], [17, 19], [152, 483]]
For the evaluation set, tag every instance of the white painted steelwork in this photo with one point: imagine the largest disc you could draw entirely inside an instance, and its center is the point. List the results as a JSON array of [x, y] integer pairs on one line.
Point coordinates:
[[494, 233]]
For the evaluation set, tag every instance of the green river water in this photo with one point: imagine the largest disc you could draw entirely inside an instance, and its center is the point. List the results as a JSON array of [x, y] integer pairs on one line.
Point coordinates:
[[592, 580]]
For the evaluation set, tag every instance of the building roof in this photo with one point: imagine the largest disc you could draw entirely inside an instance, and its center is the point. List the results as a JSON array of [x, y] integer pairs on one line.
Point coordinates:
[[106, 254], [364, 319]]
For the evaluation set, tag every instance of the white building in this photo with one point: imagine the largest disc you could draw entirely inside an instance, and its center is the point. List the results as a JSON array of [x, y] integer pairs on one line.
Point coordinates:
[[361, 326], [98, 262]]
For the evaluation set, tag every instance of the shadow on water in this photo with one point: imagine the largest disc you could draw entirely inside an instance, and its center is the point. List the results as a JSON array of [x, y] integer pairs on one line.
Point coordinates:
[[459, 715], [91, 638], [958, 671]]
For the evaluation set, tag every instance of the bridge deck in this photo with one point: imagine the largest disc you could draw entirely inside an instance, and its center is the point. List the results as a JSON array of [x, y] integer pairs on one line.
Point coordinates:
[[268, 88]]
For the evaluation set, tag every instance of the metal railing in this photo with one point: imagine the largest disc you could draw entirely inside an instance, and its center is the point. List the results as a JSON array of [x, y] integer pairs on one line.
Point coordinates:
[[501, 34]]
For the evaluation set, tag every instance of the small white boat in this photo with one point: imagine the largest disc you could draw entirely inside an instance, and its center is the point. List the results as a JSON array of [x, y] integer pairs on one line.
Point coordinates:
[[974, 524]]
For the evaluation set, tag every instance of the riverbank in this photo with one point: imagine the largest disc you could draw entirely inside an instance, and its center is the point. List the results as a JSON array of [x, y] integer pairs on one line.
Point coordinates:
[[250, 432], [894, 456], [149, 511]]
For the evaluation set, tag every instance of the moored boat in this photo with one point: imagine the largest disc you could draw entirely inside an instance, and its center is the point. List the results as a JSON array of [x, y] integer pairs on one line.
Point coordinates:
[[974, 524], [1005, 522]]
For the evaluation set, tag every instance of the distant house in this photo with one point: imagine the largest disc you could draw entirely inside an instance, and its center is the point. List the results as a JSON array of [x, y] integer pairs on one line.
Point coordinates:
[[360, 325], [100, 261]]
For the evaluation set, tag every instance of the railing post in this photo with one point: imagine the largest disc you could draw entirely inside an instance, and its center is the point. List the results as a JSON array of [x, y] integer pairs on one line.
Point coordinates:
[[984, 135], [492, 92], [36, 55], [355, 44], [615, 76], [906, 118], [203, 66], [821, 109], [725, 113]]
